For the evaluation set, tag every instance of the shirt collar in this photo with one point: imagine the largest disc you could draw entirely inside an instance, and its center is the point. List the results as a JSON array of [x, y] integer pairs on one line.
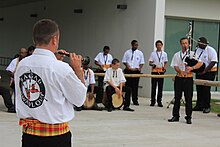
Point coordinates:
[[44, 52]]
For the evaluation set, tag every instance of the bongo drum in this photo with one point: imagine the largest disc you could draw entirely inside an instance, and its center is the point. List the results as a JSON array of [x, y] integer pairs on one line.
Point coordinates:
[[117, 101], [89, 102]]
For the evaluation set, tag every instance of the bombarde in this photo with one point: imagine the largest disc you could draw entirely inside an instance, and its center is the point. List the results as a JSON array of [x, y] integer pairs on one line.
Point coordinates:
[[85, 60]]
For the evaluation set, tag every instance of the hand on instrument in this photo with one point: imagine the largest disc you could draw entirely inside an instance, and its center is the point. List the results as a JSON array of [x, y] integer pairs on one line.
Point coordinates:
[[164, 69], [75, 61], [138, 69], [60, 54], [183, 73], [189, 68], [91, 95], [117, 91]]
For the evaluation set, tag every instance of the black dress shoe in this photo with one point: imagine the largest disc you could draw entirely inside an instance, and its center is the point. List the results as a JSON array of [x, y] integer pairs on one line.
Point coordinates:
[[136, 103], [206, 110], [152, 104], [110, 109], [188, 120], [218, 115], [173, 119], [160, 105], [196, 108], [11, 110], [128, 109], [78, 108]]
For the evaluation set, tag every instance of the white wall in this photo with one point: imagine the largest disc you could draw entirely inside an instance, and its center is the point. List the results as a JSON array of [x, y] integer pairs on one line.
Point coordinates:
[[200, 9], [100, 24]]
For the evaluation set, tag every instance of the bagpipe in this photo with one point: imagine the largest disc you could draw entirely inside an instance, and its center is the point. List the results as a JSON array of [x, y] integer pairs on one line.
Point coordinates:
[[192, 61]]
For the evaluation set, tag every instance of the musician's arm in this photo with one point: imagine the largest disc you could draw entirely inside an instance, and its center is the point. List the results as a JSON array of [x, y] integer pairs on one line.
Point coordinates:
[[140, 67], [165, 65], [92, 86], [126, 65], [178, 70], [97, 63], [197, 66], [121, 86], [209, 66], [111, 84]]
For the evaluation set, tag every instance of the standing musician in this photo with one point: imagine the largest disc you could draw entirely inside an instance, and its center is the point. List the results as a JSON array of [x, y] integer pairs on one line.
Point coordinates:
[[103, 60], [114, 83], [158, 60], [183, 80], [46, 90], [14, 64], [133, 60], [208, 55]]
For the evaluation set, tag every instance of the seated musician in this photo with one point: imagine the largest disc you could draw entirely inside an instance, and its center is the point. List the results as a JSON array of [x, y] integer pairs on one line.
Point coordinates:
[[89, 79], [114, 83]]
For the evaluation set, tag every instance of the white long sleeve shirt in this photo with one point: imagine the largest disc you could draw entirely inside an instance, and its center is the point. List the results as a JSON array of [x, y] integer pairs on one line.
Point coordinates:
[[47, 88]]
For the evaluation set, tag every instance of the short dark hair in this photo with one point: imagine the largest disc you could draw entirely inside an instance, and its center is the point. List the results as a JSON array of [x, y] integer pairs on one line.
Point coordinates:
[[184, 38], [114, 61], [106, 48], [43, 30], [133, 42], [158, 41]]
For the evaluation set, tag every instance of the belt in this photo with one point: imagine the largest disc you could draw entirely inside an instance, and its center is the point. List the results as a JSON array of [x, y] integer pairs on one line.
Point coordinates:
[[188, 75], [35, 127], [213, 69], [157, 70]]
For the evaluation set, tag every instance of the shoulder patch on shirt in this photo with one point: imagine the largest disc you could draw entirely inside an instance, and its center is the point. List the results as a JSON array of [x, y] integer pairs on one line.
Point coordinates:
[[32, 89]]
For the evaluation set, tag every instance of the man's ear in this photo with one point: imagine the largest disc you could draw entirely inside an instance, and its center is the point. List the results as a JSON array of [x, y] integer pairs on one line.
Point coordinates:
[[54, 40]]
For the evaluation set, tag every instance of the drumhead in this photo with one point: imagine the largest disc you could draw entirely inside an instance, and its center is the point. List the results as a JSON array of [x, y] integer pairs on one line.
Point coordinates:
[[117, 101], [89, 103]]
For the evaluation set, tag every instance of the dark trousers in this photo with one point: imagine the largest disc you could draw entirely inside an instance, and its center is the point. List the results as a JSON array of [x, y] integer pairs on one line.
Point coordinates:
[[110, 90], [99, 93], [133, 84], [100, 78], [183, 85], [203, 92], [154, 83], [63, 140], [6, 97]]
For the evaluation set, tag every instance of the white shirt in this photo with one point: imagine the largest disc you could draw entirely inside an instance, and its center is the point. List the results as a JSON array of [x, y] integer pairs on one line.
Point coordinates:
[[104, 59], [47, 88], [158, 58], [207, 56], [12, 66], [179, 59], [133, 58], [89, 77], [115, 76]]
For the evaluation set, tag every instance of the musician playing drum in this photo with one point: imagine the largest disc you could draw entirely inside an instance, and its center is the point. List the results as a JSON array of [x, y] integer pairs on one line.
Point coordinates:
[[103, 61], [89, 79], [114, 83], [183, 80]]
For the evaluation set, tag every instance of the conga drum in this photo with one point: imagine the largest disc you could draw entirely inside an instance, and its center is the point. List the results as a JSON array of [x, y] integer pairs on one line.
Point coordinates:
[[89, 102], [117, 101]]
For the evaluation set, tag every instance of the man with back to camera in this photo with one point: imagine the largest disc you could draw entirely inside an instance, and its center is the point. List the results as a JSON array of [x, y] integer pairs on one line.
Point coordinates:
[[47, 89]]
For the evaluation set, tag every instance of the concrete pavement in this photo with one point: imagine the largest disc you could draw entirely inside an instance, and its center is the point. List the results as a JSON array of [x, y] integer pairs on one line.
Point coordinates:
[[147, 126]]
